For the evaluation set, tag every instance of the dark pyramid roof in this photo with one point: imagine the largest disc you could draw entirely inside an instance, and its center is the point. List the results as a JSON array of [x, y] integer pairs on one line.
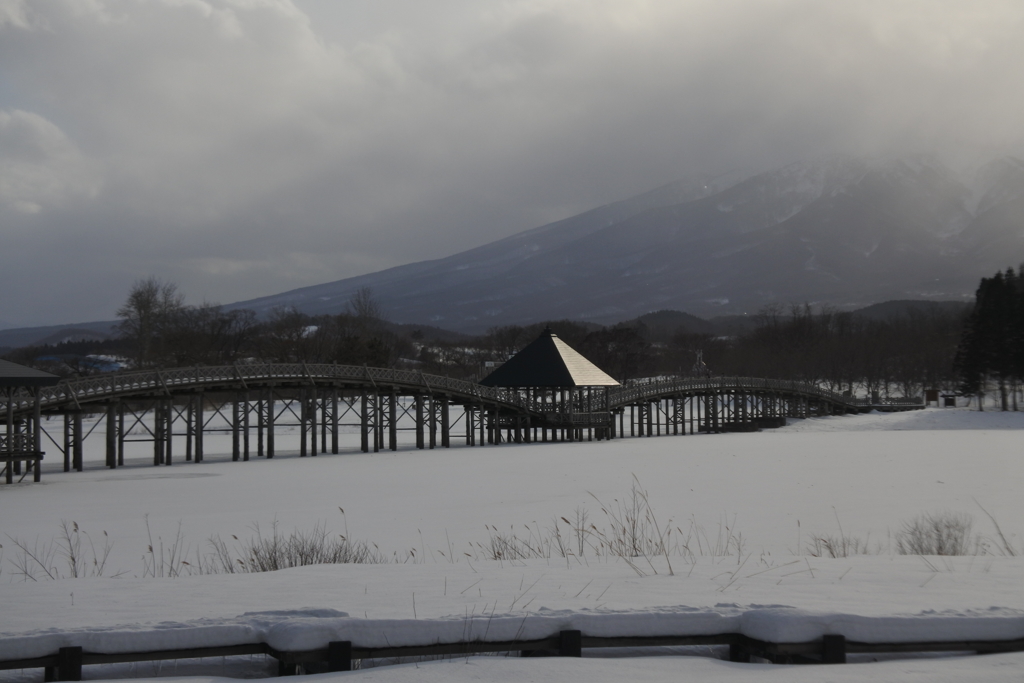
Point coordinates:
[[548, 362], [14, 375]]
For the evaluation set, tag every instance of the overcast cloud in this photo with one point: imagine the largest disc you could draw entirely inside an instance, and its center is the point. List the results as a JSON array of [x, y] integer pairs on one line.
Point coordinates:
[[245, 147]]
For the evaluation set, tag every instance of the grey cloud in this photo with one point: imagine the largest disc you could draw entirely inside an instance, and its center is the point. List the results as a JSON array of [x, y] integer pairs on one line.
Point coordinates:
[[242, 148]]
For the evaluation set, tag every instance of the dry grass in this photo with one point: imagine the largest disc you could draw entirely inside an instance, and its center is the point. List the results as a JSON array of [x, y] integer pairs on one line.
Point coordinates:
[[72, 554], [630, 530], [940, 533], [625, 528]]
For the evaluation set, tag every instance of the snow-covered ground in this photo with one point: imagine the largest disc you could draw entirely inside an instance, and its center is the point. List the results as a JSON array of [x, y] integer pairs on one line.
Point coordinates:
[[759, 498]]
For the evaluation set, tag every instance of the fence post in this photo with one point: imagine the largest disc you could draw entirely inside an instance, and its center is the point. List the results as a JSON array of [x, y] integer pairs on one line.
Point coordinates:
[[69, 664], [738, 652], [833, 650], [570, 644], [339, 655]]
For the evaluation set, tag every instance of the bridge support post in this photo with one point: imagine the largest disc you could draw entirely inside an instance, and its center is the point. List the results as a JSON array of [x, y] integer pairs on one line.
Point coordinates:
[[381, 417], [246, 409], [158, 434], [482, 415], [261, 413], [378, 421], [418, 399], [445, 426], [334, 420], [236, 430], [364, 423], [303, 423], [37, 435], [190, 427], [270, 418], [442, 408], [76, 436], [692, 401], [200, 426], [9, 469], [324, 417], [120, 434], [312, 403], [67, 441], [432, 406], [169, 431], [393, 421]]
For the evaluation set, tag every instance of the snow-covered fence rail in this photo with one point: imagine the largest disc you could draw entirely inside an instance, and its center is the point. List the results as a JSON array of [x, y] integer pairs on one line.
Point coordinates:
[[66, 664]]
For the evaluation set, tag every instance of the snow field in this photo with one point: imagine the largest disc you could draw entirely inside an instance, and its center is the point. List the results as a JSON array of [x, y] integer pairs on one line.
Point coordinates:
[[776, 488], [867, 473]]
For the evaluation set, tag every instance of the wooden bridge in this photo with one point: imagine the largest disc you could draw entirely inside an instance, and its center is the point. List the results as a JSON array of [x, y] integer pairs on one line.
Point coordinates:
[[253, 401]]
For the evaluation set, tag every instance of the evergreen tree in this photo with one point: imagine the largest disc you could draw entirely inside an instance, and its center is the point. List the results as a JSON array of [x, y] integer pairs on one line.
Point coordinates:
[[990, 345]]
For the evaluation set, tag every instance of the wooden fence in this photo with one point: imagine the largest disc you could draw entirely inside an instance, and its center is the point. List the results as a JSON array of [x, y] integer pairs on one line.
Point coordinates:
[[67, 663]]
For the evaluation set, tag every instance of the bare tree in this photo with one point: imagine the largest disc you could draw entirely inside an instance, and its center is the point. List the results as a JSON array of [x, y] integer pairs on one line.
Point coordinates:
[[146, 315], [364, 306]]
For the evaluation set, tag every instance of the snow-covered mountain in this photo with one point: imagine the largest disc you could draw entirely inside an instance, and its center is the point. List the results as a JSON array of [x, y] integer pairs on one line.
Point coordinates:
[[838, 230]]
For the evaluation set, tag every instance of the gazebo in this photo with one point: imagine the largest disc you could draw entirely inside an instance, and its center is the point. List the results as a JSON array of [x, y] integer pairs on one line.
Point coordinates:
[[569, 390], [20, 442]]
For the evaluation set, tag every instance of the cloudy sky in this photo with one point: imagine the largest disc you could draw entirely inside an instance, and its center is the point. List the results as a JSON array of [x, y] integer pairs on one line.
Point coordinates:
[[244, 147]]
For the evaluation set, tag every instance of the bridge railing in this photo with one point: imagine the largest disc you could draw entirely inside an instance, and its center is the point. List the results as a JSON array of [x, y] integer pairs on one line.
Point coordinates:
[[894, 402], [641, 391], [95, 388], [118, 384], [16, 443]]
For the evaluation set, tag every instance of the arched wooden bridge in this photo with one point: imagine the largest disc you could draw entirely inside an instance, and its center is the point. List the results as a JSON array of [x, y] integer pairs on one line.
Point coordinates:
[[253, 400]]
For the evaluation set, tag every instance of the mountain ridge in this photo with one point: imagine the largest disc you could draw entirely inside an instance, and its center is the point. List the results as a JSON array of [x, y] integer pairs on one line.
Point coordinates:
[[838, 230]]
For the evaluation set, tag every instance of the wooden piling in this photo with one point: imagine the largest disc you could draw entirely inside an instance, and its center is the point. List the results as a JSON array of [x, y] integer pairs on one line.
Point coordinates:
[[270, 419], [120, 434], [67, 441], [420, 440], [303, 423], [236, 430], [200, 425], [246, 409], [190, 427], [364, 423], [445, 426], [334, 420], [76, 436], [393, 420], [168, 431]]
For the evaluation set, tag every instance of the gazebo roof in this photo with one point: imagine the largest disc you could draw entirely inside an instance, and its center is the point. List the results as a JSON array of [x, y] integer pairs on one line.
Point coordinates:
[[14, 375], [548, 362]]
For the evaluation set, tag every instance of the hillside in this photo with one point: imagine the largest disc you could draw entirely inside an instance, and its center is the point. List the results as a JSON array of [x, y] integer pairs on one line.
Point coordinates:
[[841, 230]]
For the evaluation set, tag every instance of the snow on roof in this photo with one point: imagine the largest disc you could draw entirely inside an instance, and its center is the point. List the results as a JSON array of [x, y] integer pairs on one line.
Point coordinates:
[[548, 362]]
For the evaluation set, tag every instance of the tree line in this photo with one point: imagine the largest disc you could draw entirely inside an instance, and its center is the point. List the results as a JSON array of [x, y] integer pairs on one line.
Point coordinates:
[[159, 329], [991, 348], [898, 355]]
